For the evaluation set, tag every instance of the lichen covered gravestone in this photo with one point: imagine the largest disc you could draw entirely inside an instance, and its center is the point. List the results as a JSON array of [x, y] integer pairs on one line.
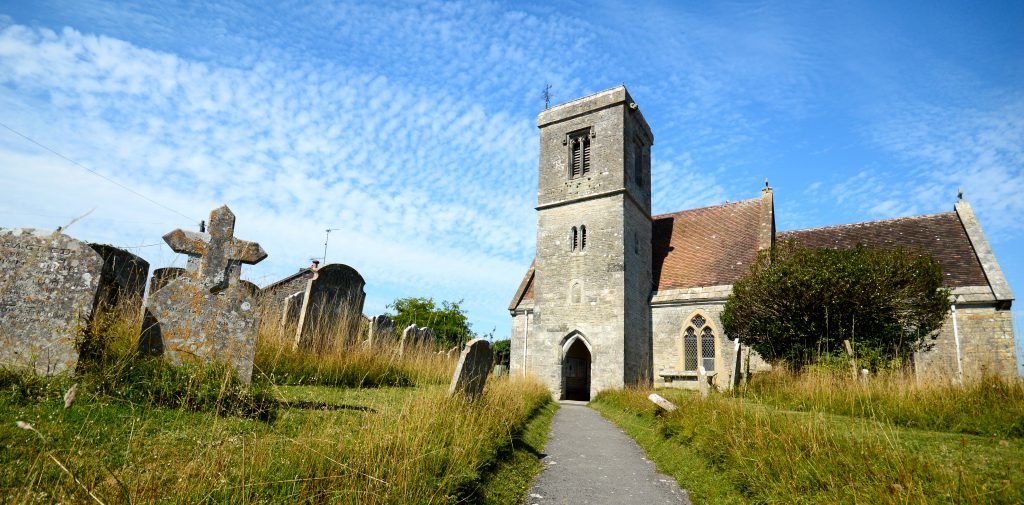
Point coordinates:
[[209, 315], [471, 373], [52, 287]]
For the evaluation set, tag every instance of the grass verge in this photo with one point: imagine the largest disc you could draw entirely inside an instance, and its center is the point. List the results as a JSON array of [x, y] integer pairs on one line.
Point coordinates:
[[743, 451], [507, 482]]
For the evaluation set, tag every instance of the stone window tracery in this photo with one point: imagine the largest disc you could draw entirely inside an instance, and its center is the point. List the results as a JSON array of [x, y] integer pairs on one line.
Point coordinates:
[[699, 344]]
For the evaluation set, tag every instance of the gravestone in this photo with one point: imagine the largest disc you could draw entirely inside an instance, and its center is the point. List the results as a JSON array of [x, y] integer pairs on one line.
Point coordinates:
[[292, 309], [661, 402], [415, 337], [209, 315], [52, 287], [737, 366], [163, 276], [499, 370], [703, 384], [382, 329], [332, 308], [453, 352], [471, 373]]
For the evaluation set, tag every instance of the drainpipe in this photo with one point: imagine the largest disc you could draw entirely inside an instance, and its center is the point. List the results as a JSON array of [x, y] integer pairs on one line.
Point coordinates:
[[956, 338]]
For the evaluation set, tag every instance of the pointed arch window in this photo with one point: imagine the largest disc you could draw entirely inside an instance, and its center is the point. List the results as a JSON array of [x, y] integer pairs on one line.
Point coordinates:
[[700, 347]]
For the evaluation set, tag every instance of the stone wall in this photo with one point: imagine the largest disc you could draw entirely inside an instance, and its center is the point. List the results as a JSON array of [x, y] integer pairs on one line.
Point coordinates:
[[986, 345]]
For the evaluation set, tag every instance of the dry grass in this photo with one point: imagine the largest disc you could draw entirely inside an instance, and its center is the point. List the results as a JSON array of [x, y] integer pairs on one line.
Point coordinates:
[[848, 443]]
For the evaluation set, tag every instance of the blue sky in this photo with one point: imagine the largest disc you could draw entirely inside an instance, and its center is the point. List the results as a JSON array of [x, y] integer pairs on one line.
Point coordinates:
[[411, 126]]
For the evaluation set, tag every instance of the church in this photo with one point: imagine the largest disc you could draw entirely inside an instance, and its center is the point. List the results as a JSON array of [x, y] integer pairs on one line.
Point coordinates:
[[618, 297]]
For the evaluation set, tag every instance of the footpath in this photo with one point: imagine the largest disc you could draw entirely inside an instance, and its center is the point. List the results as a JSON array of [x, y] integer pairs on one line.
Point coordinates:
[[590, 460]]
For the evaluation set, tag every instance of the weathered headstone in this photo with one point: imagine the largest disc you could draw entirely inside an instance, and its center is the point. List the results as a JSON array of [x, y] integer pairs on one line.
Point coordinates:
[[471, 373], [332, 308], [737, 366], [208, 314], [292, 309], [453, 352], [52, 287], [703, 385], [382, 328], [661, 402], [853, 360], [163, 276], [415, 337], [500, 370]]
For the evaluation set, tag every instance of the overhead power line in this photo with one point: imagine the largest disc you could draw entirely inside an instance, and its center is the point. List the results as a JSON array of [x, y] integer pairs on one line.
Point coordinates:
[[108, 179]]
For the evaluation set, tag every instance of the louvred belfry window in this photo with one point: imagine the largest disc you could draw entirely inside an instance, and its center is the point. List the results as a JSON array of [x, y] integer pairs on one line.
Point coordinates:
[[579, 154]]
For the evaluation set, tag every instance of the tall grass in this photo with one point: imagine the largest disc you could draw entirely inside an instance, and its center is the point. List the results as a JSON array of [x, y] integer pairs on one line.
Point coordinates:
[[773, 456], [410, 448], [990, 405], [347, 361]]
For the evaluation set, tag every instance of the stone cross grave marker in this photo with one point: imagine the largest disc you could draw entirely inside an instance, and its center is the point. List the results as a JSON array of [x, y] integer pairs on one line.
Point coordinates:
[[703, 386], [661, 402], [52, 286], [209, 314], [471, 373], [382, 328]]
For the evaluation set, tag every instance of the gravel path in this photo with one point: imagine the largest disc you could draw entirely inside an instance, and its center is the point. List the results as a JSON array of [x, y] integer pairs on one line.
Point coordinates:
[[590, 460]]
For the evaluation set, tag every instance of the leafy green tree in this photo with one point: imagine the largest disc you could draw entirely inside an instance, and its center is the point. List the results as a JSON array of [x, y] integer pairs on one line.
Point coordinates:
[[449, 321], [799, 304], [502, 351]]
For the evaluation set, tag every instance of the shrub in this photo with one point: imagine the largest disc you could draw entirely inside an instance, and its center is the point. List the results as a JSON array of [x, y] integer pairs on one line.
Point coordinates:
[[801, 303]]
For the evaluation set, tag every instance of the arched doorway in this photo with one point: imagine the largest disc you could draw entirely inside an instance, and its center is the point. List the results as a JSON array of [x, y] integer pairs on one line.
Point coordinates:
[[576, 372]]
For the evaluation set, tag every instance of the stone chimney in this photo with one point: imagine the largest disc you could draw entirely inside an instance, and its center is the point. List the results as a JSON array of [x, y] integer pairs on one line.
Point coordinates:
[[766, 235]]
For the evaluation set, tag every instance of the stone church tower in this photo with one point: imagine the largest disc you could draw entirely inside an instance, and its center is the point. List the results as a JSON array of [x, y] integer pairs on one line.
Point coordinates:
[[591, 313]]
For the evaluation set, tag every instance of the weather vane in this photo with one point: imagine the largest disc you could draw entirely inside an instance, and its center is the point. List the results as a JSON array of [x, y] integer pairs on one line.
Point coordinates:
[[547, 96]]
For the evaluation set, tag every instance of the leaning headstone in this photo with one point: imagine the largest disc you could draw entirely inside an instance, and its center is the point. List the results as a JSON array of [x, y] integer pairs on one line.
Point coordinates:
[[52, 287], [209, 314], [332, 308], [425, 337], [382, 328], [471, 373], [453, 352], [500, 370], [853, 360], [661, 402]]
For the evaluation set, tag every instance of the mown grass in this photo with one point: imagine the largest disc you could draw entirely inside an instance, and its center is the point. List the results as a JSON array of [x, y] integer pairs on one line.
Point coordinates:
[[730, 449]]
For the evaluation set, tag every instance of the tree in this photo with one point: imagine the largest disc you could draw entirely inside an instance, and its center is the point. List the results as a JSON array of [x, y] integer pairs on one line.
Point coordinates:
[[449, 322], [801, 303], [502, 351]]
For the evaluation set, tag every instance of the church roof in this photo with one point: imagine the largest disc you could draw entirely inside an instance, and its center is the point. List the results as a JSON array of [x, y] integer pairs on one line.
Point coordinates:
[[942, 235], [708, 246], [715, 245]]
